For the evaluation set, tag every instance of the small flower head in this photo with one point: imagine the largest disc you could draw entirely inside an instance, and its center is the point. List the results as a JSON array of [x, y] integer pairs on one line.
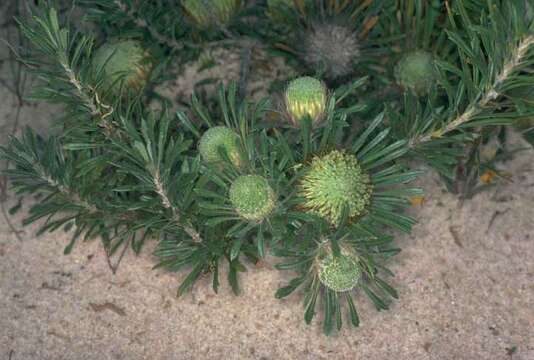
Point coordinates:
[[340, 273], [415, 71], [252, 197], [331, 49], [305, 96], [333, 182], [209, 13], [217, 138], [123, 63]]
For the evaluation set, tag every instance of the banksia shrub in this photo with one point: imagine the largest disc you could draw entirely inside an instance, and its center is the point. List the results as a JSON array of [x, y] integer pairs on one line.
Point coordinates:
[[335, 181], [217, 139], [415, 72], [252, 197], [215, 183], [305, 97], [211, 13], [122, 64], [339, 273]]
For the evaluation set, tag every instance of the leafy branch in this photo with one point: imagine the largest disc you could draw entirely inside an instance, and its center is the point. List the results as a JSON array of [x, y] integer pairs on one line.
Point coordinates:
[[516, 59], [68, 59]]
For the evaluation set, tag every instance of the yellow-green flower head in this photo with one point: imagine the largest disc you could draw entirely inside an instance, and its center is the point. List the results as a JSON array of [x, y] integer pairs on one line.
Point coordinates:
[[305, 96], [123, 63], [252, 197], [340, 273], [334, 181], [416, 72], [209, 13], [217, 138]]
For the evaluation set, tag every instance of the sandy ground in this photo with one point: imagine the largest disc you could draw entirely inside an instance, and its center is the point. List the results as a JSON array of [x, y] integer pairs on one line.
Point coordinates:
[[465, 278]]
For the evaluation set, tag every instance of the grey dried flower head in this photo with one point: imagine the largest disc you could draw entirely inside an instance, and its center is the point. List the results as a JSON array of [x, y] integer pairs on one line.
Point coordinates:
[[330, 48]]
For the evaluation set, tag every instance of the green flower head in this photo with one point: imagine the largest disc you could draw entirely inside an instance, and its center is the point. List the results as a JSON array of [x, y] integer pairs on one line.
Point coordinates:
[[333, 182], [216, 138], [123, 63], [415, 71], [305, 96], [208, 13], [252, 197], [341, 273]]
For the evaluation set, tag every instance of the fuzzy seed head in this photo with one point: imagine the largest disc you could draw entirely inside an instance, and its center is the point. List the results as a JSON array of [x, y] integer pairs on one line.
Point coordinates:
[[415, 71], [123, 63], [208, 13], [252, 197], [305, 96], [333, 182], [341, 273], [330, 48], [216, 138]]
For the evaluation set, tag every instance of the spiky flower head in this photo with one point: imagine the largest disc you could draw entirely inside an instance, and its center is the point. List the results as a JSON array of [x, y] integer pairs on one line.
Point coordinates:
[[330, 48], [340, 273], [415, 71], [333, 182], [252, 197], [216, 139], [305, 96], [123, 63], [209, 13]]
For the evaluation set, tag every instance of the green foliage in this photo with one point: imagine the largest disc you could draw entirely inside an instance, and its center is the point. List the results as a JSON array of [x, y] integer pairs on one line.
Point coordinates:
[[224, 181], [210, 13]]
